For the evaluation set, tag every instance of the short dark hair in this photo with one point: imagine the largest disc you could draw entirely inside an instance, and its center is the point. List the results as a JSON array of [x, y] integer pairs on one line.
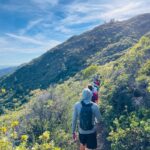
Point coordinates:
[[90, 87]]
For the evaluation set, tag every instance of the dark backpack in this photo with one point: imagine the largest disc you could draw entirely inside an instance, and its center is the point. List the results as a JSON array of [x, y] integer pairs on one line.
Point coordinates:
[[86, 116]]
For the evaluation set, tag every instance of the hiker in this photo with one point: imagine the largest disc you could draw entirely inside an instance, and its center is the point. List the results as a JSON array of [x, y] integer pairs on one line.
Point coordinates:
[[96, 82], [94, 93], [89, 116]]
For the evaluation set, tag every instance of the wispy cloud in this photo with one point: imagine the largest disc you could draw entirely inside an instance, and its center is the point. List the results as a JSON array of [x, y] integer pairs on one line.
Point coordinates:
[[126, 9], [92, 11], [36, 41], [30, 7], [63, 29], [30, 25], [45, 3], [42, 24], [25, 39], [15, 49]]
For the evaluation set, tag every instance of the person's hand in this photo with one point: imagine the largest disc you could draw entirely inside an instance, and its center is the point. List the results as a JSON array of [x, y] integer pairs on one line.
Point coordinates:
[[74, 136]]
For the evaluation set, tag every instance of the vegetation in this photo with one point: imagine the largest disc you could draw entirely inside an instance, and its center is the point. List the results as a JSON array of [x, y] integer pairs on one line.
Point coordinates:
[[20, 142], [44, 121], [101, 45], [131, 131]]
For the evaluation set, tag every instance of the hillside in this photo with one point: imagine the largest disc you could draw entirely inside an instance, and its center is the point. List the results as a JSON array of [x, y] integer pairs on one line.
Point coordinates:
[[124, 104], [102, 44]]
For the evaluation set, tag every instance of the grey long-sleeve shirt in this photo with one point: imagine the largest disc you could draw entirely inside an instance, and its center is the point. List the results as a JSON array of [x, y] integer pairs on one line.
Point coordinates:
[[75, 118]]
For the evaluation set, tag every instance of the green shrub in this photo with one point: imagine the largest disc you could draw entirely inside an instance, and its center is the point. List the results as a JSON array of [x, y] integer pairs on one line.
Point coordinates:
[[131, 132], [89, 71]]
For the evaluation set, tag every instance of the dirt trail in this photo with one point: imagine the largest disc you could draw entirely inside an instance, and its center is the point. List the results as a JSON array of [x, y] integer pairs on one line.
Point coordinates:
[[101, 139]]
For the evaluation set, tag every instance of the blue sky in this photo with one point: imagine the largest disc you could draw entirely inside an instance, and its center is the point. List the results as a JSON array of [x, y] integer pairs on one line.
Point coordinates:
[[28, 28]]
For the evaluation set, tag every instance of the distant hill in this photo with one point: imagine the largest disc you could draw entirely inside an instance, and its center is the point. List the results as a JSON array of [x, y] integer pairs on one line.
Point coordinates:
[[100, 45], [7, 70]]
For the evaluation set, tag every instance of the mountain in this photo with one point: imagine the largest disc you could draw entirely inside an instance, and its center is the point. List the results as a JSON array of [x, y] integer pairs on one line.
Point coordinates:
[[124, 106], [7, 70], [100, 45]]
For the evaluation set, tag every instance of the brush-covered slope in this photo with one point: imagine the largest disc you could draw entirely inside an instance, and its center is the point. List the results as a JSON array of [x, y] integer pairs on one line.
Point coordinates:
[[124, 105], [102, 44]]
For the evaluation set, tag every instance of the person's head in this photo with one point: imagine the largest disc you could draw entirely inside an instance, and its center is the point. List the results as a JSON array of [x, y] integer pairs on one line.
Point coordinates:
[[90, 87], [86, 95], [97, 77]]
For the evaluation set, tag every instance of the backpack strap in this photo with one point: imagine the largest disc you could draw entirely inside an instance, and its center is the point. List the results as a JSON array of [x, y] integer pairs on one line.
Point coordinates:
[[85, 105]]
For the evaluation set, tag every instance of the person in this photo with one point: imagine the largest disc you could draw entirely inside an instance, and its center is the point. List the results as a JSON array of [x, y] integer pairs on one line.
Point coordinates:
[[95, 96], [89, 117], [95, 93], [96, 82]]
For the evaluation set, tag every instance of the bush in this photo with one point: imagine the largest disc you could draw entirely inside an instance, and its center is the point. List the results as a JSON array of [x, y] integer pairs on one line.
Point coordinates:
[[89, 71], [131, 132], [9, 143]]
